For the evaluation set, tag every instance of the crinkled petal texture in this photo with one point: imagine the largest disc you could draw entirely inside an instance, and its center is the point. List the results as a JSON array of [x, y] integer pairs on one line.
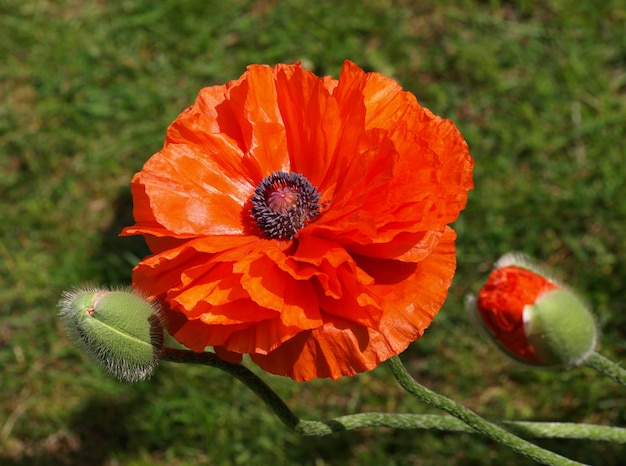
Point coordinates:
[[354, 286]]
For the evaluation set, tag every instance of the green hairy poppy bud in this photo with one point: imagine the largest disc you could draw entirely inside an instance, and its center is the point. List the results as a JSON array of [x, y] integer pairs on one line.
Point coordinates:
[[120, 330]]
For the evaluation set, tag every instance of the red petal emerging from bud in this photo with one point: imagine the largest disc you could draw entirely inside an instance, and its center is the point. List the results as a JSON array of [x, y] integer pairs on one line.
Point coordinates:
[[533, 317], [501, 304]]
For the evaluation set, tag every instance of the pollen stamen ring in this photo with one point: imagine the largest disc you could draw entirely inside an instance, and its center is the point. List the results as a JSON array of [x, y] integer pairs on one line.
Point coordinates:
[[283, 203]]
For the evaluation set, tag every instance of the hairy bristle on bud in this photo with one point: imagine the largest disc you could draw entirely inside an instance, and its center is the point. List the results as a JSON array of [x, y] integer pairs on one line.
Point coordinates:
[[120, 329]]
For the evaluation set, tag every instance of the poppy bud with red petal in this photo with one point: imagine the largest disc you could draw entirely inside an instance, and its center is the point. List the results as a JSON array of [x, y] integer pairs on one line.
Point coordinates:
[[532, 316]]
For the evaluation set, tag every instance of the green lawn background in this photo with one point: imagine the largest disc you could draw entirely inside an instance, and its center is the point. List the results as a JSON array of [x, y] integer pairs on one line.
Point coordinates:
[[87, 89]]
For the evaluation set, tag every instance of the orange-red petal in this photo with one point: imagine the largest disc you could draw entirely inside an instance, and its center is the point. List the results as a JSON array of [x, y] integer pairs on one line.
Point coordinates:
[[358, 282], [412, 294]]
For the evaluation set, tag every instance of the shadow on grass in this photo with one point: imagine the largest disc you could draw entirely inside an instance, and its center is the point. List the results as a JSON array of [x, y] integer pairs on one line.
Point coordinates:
[[94, 434], [116, 257], [98, 429]]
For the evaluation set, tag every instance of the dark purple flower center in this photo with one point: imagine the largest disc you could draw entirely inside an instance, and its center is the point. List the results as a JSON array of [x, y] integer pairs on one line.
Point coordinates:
[[283, 203]]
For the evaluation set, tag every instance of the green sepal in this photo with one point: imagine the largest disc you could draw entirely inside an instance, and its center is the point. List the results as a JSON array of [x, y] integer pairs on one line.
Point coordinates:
[[560, 328]]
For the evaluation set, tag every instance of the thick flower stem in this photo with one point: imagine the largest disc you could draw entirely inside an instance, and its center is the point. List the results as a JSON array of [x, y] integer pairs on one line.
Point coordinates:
[[472, 419], [607, 367], [391, 420]]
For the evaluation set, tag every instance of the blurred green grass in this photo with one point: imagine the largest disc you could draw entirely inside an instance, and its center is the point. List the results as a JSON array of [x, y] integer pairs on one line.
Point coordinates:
[[87, 89]]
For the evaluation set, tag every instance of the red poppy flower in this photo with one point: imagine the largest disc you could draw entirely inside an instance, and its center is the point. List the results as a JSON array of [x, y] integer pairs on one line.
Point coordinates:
[[302, 220], [533, 317]]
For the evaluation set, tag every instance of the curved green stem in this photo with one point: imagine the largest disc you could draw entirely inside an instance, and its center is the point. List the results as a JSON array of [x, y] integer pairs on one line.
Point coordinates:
[[607, 367], [391, 420], [561, 430], [472, 419]]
